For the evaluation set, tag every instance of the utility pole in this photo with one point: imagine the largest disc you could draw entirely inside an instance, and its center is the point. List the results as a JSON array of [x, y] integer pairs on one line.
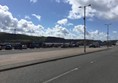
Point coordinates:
[[15, 31], [84, 18], [108, 25], [15, 38]]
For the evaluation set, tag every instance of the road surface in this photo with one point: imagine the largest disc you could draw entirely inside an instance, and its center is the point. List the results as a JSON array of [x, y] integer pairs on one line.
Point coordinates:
[[99, 67]]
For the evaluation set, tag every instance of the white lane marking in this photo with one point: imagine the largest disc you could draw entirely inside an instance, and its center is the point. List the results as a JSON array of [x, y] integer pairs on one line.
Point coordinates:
[[54, 78], [92, 62]]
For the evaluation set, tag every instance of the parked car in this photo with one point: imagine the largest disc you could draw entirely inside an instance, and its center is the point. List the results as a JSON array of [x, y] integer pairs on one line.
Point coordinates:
[[47, 45], [73, 45], [24, 46], [94, 45], [65, 45], [0, 47], [31, 46], [8, 47], [56, 45], [18, 46]]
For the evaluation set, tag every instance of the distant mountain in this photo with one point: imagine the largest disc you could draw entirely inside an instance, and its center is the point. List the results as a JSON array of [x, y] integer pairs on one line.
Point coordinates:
[[7, 37]]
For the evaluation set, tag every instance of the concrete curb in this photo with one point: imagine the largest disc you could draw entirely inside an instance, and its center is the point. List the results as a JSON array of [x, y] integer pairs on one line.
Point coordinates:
[[34, 62]]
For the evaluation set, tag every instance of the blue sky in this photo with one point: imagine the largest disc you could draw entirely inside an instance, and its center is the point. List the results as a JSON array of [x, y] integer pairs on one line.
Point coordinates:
[[59, 18]]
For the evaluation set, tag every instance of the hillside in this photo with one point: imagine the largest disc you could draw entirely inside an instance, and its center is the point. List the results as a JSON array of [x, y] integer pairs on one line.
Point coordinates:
[[7, 37]]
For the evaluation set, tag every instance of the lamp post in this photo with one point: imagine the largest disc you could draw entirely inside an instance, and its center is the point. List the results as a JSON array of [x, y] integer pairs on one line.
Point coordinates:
[[85, 25], [14, 34], [108, 25], [15, 30]]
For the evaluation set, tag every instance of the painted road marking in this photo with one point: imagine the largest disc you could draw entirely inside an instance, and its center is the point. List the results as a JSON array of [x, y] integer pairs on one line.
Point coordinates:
[[61, 75], [92, 62]]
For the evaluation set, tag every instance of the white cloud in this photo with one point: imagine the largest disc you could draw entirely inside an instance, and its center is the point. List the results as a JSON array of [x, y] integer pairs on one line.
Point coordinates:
[[105, 9], [27, 17], [33, 1], [114, 32], [79, 31], [8, 23], [76, 12], [63, 32], [37, 16], [70, 24], [57, 31], [58, 1], [97, 35], [79, 28], [29, 28], [62, 22]]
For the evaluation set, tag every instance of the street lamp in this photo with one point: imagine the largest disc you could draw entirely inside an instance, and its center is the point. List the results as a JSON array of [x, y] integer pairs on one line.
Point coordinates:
[[14, 34], [15, 30], [108, 25], [85, 25]]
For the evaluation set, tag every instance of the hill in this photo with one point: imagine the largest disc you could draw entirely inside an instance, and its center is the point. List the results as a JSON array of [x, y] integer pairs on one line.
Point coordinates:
[[7, 37]]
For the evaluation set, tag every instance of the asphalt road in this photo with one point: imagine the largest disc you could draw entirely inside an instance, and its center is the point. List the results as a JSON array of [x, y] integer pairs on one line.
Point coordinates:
[[99, 67]]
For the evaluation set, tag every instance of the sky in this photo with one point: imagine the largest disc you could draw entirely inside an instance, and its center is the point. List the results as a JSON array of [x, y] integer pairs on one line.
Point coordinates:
[[60, 18]]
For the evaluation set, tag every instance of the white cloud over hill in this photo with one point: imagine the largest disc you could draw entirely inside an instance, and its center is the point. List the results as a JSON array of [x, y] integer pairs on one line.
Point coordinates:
[[8, 23]]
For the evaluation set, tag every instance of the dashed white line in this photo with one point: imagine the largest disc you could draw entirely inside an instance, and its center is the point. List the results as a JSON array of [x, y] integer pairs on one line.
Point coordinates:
[[54, 78], [92, 62]]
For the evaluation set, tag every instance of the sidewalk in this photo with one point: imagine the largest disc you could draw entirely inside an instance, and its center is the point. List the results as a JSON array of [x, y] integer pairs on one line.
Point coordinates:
[[12, 61]]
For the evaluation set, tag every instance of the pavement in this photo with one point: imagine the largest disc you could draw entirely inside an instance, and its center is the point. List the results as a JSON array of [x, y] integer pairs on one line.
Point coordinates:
[[13, 61]]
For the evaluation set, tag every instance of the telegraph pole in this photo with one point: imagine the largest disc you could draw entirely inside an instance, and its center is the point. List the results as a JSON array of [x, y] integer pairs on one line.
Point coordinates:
[[85, 25], [108, 25]]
